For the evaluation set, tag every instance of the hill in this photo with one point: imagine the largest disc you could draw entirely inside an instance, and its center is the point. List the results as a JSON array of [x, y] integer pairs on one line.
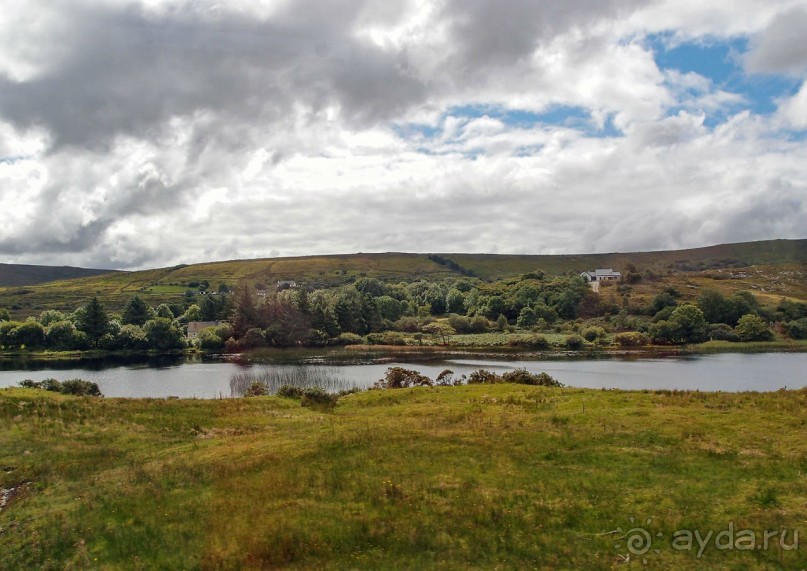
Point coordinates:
[[21, 274], [778, 270]]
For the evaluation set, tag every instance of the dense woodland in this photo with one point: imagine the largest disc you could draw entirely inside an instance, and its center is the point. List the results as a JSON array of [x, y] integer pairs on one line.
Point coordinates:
[[373, 311]]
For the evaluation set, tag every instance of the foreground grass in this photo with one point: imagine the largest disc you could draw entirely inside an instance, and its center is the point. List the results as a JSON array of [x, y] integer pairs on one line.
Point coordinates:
[[500, 476]]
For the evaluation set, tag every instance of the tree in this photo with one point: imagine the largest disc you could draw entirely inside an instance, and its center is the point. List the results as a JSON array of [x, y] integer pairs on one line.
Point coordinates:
[[526, 317], [132, 338], [193, 313], [31, 334], [93, 321], [64, 335], [751, 328], [164, 311], [690, 323], [162, 334], [455, 301], [245, 310], [716, 308], [440, 330], [49, 316], [136, 312]]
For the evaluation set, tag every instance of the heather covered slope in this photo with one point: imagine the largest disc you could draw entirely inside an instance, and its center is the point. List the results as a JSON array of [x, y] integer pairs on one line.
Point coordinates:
[[22, 274], [779, 264]]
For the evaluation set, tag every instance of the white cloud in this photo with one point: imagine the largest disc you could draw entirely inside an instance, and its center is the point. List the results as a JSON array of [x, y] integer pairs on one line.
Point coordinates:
[[168, 132]]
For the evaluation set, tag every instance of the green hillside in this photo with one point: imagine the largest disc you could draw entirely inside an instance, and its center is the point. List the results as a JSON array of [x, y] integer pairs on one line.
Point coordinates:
[[783, 262], [23, 274]]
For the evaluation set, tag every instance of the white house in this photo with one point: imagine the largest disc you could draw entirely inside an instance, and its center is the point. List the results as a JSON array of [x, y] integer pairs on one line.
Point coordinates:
[[195, 327], [601, 275]]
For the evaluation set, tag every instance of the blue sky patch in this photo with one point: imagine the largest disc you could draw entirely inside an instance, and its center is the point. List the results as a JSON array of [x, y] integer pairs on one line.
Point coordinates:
[[721, 62]]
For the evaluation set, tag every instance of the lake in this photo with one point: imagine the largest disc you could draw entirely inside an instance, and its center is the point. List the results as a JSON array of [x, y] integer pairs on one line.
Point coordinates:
[[197, 377]]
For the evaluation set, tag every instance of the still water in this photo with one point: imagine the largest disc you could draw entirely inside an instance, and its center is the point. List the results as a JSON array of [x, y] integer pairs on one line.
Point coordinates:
[[204, 378]]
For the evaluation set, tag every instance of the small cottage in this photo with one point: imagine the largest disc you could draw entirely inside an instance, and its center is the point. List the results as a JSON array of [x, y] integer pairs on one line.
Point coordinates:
[[601, 275]]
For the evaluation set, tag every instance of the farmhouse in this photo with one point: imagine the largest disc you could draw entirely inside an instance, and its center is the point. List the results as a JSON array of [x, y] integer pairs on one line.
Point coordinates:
[[195, 327], [601, 275]]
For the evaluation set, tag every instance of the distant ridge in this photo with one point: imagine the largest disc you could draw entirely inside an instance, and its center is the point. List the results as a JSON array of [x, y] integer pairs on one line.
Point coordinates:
[[23, 274], [784, 262]]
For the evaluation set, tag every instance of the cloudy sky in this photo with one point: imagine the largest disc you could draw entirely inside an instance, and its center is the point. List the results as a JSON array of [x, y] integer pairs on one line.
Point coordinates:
[[149, 133]]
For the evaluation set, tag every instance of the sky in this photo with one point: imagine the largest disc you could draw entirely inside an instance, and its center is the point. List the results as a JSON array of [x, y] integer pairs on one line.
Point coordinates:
[[149, 133]]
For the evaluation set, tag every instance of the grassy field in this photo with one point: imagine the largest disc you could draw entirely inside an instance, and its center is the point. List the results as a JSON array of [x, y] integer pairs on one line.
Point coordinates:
[[501, 476], [772, 269]]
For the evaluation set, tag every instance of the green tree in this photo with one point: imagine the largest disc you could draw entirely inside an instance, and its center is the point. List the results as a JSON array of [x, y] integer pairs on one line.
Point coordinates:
[[30, 334], [162, 334], [526, 317], [164, 311], [49, 316], [716, 308], [439, 330], [455, 301], [93, 321], [193, 313], [136, 312], [132, 338], [690, 323], [64, 335], [751, 327]]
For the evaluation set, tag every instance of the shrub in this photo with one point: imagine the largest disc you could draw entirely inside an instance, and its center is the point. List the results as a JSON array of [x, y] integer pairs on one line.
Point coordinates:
[[51, 385], [315, 397], [446, 379], [407, 324], [524, 377], [593, 333], [531, 342], [750, 327], [209, 340], [631, 339], [348, 339], [256, 389], [797, 329], [479, 324], [721, 332], [290, 392], [386, 338], [400, 378], [483, 377], [80, 387], [574, 342]]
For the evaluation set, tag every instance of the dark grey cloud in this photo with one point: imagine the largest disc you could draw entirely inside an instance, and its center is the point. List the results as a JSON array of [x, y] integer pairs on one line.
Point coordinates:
[[489, 34], [782, 46], [124, 71]]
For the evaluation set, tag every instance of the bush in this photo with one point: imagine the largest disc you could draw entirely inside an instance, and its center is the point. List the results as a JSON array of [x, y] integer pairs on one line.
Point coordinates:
[[574, 342], [797, 329], [593, 333], [531, 342], [483, 377], [386, 338], [80, 387], [721, 332], [317, 398], [446, 379], [290, 392], [750, 327], [256, 389], [209, 340], [348, 339], [631, 339], [524, 377], [400, 378], [76, 387]]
